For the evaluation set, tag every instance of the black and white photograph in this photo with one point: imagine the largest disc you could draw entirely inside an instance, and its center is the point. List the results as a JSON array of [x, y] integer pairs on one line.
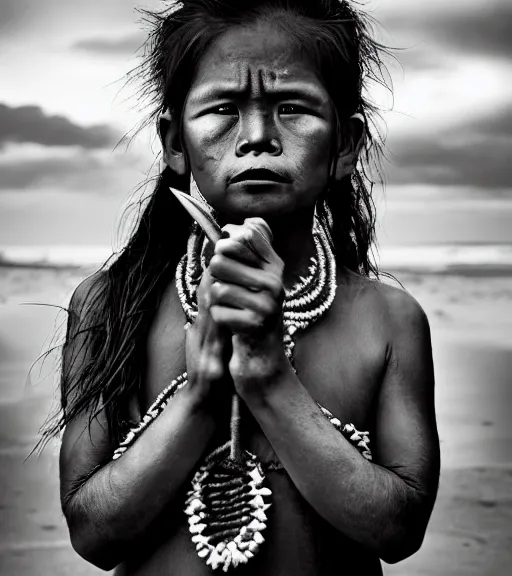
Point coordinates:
[[255, 287]]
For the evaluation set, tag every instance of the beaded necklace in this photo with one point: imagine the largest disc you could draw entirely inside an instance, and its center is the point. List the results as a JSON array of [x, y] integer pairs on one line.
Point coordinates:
[[304, 304], [227, 503]]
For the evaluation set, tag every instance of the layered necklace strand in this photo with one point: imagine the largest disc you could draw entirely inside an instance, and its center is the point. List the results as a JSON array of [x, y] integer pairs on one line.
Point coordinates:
[[304, 304], [228, 499]]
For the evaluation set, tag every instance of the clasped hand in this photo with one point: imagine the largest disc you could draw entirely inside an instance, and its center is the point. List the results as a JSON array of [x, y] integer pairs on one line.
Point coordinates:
[[246, 293], [240, 306], [246, 298]]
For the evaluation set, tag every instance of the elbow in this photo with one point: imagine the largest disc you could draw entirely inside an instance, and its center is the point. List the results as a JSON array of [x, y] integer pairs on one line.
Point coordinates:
[[93, 551], [89, 541], [406, 533], [392, 554], [401, 545]]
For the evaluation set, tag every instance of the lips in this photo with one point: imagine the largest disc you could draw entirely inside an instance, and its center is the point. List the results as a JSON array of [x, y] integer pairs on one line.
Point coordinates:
[[263, 174]]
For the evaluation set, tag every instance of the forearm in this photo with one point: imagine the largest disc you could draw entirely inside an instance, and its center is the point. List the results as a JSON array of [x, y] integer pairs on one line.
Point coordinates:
[[117, 504], [368, 503]]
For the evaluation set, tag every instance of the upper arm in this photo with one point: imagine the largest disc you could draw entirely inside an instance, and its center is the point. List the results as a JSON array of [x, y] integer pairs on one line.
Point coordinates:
[[406, 433], [85, 442]]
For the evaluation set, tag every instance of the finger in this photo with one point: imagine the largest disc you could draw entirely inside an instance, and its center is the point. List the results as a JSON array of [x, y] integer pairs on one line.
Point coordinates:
[[203, 291], [252, 233], [234, 296], [228, 270], [238, 250], [210, 346], [260, 238], [238, 321]]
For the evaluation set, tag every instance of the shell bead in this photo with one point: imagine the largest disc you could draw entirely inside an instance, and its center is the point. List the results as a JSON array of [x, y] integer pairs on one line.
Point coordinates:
[[227, 501]]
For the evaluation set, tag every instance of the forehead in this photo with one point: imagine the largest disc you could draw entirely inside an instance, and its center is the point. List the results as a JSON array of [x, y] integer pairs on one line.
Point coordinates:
[[260, 49]]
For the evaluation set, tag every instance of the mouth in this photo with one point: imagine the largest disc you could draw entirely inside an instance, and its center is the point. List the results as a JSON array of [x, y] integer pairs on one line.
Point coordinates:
[[260, 175]]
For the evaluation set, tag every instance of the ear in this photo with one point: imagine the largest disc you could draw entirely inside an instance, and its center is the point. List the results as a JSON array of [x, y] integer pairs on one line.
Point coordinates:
[[351, 142], [172, 152]]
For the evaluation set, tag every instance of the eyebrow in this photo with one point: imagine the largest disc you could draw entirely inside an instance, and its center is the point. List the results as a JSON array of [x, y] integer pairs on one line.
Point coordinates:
[[215, 91]]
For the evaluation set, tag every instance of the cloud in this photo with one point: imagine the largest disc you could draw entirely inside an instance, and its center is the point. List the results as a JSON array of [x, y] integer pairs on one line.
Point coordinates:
[[127, 45], [32, 14], [31, 124], [47, 173], [420, 60], [483, 29], [476, 154], [28, 168]]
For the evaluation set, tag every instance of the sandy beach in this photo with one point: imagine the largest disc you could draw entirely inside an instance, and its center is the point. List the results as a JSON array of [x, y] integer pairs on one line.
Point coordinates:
[[471, 529]]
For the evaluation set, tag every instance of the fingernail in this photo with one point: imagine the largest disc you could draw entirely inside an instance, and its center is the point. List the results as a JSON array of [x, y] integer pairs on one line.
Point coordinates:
[[225, 234]]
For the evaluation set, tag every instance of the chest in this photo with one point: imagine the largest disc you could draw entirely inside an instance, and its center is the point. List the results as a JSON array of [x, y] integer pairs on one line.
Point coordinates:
[[340, 360]]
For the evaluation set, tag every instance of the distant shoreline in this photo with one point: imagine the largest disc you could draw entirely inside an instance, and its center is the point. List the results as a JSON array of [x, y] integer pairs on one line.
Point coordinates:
[[469, 271], [464, 270], [41, 266]]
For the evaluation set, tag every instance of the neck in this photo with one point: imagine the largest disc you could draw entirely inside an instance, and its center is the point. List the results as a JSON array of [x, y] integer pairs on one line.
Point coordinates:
[[292, 241]]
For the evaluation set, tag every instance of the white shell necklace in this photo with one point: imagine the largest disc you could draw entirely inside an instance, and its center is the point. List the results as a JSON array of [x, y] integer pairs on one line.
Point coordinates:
[[304, 304], [228, 499]]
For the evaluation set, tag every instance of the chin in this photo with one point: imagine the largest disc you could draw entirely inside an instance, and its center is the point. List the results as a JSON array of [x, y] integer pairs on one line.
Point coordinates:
[[269, 212]]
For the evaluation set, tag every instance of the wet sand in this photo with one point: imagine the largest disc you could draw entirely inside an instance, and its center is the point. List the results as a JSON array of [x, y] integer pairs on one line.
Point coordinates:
[[471, 529]]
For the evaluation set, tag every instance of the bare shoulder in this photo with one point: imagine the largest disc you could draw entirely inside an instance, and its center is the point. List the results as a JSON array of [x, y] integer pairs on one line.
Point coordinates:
[[390, 305], [392, 315], [404, 311]]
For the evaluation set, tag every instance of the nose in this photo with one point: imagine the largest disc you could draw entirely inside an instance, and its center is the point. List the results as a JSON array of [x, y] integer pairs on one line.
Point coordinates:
[[258, 134]]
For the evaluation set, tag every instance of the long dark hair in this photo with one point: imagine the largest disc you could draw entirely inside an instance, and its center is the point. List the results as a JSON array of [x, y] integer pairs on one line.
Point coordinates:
[[111, 322]]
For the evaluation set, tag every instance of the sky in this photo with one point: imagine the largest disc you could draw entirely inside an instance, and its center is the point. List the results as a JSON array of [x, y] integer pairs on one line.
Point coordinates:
[[65, 107]]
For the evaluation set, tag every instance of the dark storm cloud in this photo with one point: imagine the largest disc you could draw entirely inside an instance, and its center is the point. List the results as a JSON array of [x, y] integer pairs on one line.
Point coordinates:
[[127, 45], [78, 172], [485, 30], [31, 124], [16, 16], [476, 154], [14, 12]]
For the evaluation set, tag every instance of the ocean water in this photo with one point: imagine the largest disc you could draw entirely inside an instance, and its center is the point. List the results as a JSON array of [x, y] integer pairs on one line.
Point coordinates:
[[434, 258]]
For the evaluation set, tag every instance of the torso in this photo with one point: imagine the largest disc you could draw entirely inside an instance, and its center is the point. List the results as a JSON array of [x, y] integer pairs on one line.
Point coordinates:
[[341, 361]]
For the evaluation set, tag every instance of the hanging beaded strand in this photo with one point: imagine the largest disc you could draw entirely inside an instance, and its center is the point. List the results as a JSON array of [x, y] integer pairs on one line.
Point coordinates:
[[226, 506]]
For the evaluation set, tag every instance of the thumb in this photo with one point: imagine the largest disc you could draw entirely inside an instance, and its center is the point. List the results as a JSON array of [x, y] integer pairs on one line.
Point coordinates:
[[261, 240], [261, 226]]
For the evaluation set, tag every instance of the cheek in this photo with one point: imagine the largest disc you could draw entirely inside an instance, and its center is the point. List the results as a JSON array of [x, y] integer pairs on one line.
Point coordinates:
[[309, 144], [207, 141]]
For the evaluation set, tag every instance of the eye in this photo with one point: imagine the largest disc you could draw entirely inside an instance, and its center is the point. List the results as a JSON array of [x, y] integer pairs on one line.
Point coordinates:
[[292, 109], [225, 110]]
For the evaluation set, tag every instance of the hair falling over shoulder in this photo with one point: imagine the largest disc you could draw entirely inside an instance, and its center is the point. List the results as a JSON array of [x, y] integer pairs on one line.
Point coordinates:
[[110, 313], [103, 355]]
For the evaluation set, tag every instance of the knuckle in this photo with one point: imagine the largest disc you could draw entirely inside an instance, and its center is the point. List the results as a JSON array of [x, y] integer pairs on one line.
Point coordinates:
[[265, 305], [221, 245], [273, 307], [216, 314], [213, 313], [248, 234], [215, 290], [255, 319], [216, 262], [213, 369], [219, 291], [230, 228], [222, 289], [275, 285]]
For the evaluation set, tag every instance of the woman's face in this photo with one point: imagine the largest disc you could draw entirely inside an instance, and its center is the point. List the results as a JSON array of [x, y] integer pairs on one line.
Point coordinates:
[[257, 125]]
